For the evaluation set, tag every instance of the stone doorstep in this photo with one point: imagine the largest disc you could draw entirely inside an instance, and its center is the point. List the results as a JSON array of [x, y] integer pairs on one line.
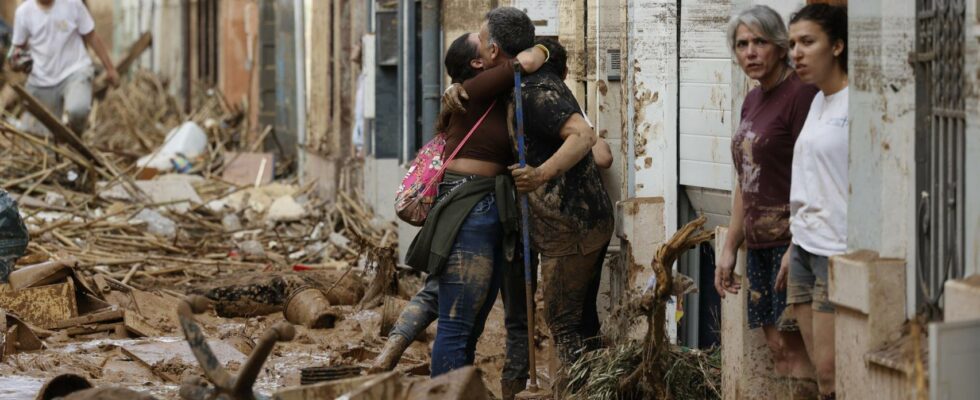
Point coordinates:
[[962, 299], [857, 281]]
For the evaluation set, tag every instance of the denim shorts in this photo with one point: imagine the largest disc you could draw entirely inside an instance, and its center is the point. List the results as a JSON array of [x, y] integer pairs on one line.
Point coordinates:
[[766, 305], [808, 280]]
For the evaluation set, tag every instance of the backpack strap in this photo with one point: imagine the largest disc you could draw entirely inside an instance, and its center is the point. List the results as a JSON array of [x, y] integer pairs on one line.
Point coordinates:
[[460, 146]]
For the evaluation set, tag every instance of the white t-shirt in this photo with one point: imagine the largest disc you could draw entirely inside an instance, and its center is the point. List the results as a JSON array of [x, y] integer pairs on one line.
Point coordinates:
[[54, 38], [819, 190]]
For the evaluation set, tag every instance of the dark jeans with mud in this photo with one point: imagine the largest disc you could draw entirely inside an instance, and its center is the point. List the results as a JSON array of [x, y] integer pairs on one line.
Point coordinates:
[[424, 308], [570, 286], [468, 287], [420, 311]]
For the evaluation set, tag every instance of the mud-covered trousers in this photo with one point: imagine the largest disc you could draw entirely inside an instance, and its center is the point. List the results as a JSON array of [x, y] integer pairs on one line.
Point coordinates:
[[424, 308], [570, 285], [468, 287]]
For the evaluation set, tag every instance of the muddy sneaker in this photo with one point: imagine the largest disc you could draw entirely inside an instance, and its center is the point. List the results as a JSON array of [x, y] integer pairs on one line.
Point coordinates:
[[390, 354], [511, 387]]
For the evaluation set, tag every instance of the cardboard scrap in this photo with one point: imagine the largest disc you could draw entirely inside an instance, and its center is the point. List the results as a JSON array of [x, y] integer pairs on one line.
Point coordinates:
[[242, 169]]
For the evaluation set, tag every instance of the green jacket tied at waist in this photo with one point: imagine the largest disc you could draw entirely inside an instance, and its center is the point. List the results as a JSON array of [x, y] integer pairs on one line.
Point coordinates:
[[431, 247]]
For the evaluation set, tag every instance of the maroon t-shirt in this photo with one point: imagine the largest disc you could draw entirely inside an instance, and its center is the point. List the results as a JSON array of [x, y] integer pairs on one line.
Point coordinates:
[[762, 151]]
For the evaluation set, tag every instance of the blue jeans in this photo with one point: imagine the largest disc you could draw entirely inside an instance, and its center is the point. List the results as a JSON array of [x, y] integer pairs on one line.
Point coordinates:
[[468, 287], [420, 311]]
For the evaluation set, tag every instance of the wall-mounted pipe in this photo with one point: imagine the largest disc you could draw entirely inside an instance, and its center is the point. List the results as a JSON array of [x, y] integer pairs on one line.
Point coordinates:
[[431, 86]]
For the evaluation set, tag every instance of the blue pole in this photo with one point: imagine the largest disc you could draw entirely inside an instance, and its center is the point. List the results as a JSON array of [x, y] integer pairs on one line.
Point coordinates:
[[525, 235]]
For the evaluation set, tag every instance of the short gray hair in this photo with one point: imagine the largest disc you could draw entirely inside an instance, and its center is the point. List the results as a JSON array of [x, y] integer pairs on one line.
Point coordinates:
[[764, 21]]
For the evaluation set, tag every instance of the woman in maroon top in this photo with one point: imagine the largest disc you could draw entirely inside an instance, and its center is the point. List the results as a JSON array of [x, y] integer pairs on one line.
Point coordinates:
[[762, 151]]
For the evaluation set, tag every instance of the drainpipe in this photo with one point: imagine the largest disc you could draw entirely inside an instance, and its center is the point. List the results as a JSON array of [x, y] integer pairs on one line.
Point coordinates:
[[300, 51], [431, 84], [407, 79]]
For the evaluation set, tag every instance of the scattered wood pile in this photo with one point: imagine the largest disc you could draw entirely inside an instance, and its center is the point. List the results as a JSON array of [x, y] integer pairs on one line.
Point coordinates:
[[129, 227], [183, 226]]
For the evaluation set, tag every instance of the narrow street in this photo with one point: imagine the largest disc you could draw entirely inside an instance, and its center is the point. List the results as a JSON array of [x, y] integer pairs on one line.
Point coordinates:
[[489, 199]]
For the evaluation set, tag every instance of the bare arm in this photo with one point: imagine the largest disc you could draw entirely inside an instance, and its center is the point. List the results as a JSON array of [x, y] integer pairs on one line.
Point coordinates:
[[724, 280], [492, 82], [578, 141], [602, 154], [95, 42]]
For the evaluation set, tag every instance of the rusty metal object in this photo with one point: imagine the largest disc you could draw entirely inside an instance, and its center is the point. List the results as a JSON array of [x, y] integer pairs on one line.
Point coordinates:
[[309, 307], [41, 306], [225, 385]]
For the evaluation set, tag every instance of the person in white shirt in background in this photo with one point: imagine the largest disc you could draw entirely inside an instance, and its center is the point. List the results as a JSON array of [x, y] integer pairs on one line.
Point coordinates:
[[819, 188], [55, 33]]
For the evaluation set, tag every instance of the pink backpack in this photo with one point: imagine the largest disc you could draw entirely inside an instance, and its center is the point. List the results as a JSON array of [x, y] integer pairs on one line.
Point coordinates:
[[419, 188]]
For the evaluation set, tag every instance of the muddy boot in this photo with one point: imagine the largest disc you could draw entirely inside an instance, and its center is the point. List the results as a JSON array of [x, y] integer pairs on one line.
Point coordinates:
[[511, 387], [390, 354]]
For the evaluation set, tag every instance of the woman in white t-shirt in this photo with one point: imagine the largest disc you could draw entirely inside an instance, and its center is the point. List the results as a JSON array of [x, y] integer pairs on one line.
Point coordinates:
[[818, 192]]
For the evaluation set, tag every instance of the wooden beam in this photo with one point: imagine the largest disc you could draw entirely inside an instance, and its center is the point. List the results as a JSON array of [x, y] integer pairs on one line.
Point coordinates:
[[123, 66], [92, 318]]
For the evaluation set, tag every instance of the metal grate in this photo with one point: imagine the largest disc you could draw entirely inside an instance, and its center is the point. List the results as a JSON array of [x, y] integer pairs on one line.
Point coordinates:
[[940, 143]]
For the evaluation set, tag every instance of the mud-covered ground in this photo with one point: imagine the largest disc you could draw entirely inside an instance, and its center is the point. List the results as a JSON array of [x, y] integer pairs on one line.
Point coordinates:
[[354, 340]]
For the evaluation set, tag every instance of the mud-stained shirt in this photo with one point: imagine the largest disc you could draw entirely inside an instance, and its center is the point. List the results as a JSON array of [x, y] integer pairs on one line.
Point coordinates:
[[762, 151], [570, 213]]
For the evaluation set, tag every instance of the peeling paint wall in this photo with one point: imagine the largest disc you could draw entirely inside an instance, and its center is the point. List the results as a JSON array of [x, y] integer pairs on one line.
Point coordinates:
[[651, 102], [572, 31], [603, 97]]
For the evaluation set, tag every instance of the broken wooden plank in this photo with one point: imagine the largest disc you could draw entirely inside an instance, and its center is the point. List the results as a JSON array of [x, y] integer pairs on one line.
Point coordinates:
[[102, 316], [66, 135], [59, 130], [135, 50], [93, 328], [139, 326]]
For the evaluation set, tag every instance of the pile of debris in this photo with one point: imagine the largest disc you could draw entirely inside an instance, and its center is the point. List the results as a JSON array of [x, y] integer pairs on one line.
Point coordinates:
[[151, 205]]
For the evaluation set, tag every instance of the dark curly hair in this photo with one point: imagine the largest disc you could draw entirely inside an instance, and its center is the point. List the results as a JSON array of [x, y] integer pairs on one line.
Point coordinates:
[[833, 21], [558, 60], [511, 29]]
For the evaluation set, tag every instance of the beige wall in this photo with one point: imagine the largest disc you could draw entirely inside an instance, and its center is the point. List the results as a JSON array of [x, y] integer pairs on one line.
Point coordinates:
[[7, 9]]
